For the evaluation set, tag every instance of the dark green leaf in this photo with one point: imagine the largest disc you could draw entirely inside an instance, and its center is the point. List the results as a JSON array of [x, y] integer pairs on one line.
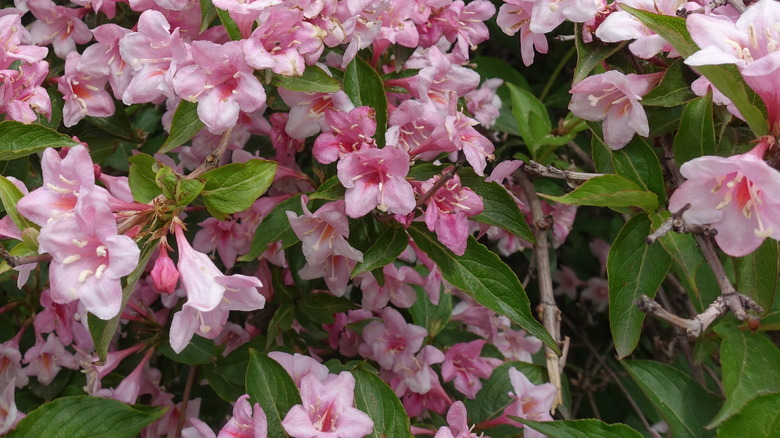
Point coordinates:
[[634, 268], [489, 67], [751, 367], [227, 375], [760, 418], [187, 190], [726, 78], [207, 14], [638, 162], [608, 191], [198, 352], [236, 186], [483, 276], [118, 124], [269, 384], [364, 87], [386, 249], [103, 331], [696, 136], [142, 178], [500, 209], [673, 90], [184, 126], [581, 429], [274, 227], [9, 196], [19, 140], [230, 26], [590, 56], [374, 397], [757, 273], [321, 307], [330, 190], [166, 179], [86, 417], [683, 403], [431, 316], [313, 80]]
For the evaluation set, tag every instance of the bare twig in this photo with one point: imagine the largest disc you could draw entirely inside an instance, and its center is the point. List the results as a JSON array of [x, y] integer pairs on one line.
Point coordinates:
[[15, 261], [535, 168], [739, 5], [551, 315], [212, 160], [677, 224], [185, 399], [446, 176]]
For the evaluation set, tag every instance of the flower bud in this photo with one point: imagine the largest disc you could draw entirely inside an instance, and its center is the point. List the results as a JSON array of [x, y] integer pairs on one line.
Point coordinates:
[[165, 276]]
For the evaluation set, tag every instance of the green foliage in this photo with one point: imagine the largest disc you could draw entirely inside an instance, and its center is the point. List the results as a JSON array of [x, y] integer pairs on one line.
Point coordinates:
[[274, 227], [608, 191], [374, 397], [184, 126], [269, 384], [696, 136], [364, 87], [235, 187], [313, 80], [581, 429], [19, 140]]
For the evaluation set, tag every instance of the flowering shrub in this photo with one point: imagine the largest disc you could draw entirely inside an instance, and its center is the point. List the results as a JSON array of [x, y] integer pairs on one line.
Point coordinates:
[[311, 218]]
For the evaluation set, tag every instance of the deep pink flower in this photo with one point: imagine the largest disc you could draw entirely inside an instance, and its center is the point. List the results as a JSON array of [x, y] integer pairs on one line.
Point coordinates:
[[307, 111], [58, 25], [736, 195], [349, 132], [458, 426], [448, 210], [89, 257], [164, 274], [84, 94], [462, 363], [376, 178], [392, 342], [22, 97], [327, 410], [229, 237], [613, 98], [248, 421]]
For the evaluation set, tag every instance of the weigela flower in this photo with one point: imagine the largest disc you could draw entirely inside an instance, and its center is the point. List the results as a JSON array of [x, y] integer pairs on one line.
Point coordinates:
[[484, 103], [307, 111], [532, 402], [397, 288], [736, 195], [9, 415], [11, 364], [323, 232], [349, 132], [327, 410], [59, 26], [15, 42], [514, 16], [248, 421], [229, 237], [392, 342], [103, 58], [89, 258], [463, 364], [613, 98], [84, 94], [376, 178], [457, 421], [22, 97], [622, 26], [299, 366], [448, 210], [46, 359], [164, 274], [221, 82]]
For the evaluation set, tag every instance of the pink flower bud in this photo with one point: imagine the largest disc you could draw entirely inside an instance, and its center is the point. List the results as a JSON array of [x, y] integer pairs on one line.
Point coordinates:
[[164, 274]]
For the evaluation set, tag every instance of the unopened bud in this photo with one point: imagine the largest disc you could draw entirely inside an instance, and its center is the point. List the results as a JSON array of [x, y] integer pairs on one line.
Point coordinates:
[[165, 276]]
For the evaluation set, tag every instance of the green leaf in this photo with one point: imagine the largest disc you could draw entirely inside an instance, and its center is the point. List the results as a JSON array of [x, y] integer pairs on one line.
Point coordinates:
[[230, 26], [493, 398], [236, 186], [364, 87], [9, 196], [684, 403], [330, 190], [634, 268], [726, 78], [750, 368], [696, 136], [386, 249], [184, 126], [483, 276], [590, 56], [19, 140], [581, 429], [760, 418], [500, 209], [207, 14], [673, 90], [187, 190], [143, 178], [608, 191], [313, 80], [321, 307], [638, 162], [118, 124], [198, 352], [489, 67], [532, 118], [268, 383], [431, 316], [274, 227], [375, 398], [227, 375], [166, 179], [102, 331], [86, 417], [757, 273]]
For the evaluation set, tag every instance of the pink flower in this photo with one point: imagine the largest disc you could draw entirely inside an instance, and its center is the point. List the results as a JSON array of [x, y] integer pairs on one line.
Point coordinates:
[[376, 178], [736, 195], [458, 423], [9, 415], [22, 97], [46, 359], [327, 410], [448, 210], [323, 232], [532, 402], [397, 288], [89, 258], [164, 274], [515, 345], [307, 111], [392, 342], [59, 25], [11, 364], [222, 83], [247, 422], [484, 103], [597, 292], [349, 132], [84, 94], [514, 16], [299, 366], [463, 364], [230, 238], [15, 41], [613, 98], [103, 58]]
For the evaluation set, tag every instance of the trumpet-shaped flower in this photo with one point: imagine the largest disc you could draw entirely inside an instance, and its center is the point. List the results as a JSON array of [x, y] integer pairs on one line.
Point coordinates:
[[736, 195], [462, 363], [84, 94], [613, 98], [448, 210]]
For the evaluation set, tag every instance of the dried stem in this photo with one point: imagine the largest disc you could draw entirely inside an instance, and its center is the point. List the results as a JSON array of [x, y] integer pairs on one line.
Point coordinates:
[[445, 176], [212, 160], [185, 399], [534, 168], [677, 224], [15, 261], [551, 315]]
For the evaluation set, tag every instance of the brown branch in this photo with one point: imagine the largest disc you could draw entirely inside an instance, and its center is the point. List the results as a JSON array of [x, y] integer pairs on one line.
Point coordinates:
[[534, 168], [551, 315], [185, 399], [212, 160], [14, 261], [445, 176]]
